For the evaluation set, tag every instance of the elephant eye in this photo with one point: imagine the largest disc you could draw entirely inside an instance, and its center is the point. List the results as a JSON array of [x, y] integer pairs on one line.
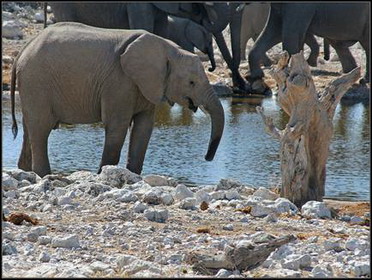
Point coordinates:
[[192, 83]]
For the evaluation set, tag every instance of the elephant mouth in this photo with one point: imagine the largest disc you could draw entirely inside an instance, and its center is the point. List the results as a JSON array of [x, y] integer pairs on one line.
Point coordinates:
[[192, 107]]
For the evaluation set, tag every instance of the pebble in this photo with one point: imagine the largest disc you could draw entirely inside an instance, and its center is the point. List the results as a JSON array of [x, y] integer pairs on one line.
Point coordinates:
[[265, 193], [356, 220], [44, 257], [160, 216], [181, 192], [188, 203], [229, 227], [156, 180], [139, 207], [70, 241]]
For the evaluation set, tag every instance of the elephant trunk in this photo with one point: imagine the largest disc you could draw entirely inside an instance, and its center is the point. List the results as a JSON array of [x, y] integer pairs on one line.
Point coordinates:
[[213, 107], [210, 53]]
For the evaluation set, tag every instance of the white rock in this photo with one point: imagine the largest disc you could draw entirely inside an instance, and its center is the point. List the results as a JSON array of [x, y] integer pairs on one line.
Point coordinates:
[[117, 176], [64, 200], [356, 220], [99, 266], [156, 180], [321, 272], [189, 203], [227, 184], [39, 17], [333, 244], [70, 241], [139, 207], [253, 200], [181, 192], [260, 210], [152, 197], [362, 268], [8, 182], [223, 273], [218, 195], [232, 194], [265, 194], [32, 236], [315, 209], [202, 195], [283, 205], [7, 248], [159, 216], [12, 30], [167, 198], [39, 230], [44, 257], [271, 218], [44, 240], [82, 175], [11, 194], [125, 260], [229, 227], [355, 243], [129, 197]]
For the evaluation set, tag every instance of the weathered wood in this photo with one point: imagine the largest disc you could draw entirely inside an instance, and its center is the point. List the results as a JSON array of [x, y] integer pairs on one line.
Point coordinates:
[[305, 139], [243, 256]]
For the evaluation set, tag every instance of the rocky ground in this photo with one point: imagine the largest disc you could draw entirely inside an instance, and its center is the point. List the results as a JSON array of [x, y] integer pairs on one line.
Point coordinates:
[[119, 224]]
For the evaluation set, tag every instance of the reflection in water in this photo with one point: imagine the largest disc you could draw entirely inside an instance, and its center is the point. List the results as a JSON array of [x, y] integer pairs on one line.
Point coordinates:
[[246, 153]]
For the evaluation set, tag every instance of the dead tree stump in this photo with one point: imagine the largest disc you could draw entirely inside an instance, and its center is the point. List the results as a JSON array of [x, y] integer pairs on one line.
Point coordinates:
[[305, 139]]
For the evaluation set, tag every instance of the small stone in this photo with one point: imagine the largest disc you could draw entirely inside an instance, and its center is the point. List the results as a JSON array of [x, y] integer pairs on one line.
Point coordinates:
[[44, 257], [156, 180], [229, 227], [32, 236], [333, 244], [223, 273], [271, 218], [8, 182], [260, 210], [244, 220], [355, 220], [8, 248], [64, 200], [218, 195], [152, 197], [157, 216], [227, 184], [202, 195], [362, 268], [321, 272], [167, 198], [188, 203], [265, 194], [139, 207], [129, 197], [44, 240], [71, 241], [232, 194], [39, 230], [181, 192], [345, 218]]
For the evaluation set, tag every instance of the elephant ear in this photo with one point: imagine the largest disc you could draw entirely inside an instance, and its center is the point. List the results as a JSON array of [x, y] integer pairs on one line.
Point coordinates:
[[145, 61], [194, 33]]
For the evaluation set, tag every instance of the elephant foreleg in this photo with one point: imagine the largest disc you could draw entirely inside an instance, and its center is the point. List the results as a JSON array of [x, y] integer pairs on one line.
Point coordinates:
[[114, 140], [139, 138], [25, 159], [346, 58]]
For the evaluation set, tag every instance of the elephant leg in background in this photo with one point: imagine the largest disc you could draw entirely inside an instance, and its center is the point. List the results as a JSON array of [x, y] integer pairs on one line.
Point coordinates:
[[161, 24], [142, 126], [314, 47], [365, 44], [25, 159], [270, 36], [141, 16], [346, 58]]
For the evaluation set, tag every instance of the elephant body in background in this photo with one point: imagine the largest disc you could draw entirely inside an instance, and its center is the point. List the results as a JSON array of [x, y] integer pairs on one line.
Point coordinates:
[[253, 22], [74, 73], [337, 22], [152, 17], [189, 35]]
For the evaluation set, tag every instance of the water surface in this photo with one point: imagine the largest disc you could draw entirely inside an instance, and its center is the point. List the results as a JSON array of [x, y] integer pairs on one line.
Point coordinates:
[[246, 153]]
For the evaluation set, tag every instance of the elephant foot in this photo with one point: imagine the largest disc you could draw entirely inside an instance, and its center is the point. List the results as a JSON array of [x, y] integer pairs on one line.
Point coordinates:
[[364, 81], [258, 86], [312, 62]]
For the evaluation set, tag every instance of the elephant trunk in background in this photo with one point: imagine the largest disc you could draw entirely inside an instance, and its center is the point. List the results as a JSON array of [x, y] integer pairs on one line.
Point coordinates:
[[213, 107]]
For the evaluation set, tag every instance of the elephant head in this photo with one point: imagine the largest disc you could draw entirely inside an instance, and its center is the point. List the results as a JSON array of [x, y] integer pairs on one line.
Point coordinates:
[[175, 76], [202, 40]]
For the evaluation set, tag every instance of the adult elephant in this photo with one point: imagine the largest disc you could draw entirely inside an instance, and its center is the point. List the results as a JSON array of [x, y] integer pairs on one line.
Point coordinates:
[[289, 23], [153, 18], [75, 73]]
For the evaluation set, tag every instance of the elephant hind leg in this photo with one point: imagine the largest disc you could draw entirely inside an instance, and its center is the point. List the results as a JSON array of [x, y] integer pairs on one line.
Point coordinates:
[[314, 47], [25, 159]]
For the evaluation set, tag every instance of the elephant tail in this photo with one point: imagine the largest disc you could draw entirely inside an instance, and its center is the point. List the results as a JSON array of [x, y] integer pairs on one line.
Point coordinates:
[[45, 14], [12, 97]]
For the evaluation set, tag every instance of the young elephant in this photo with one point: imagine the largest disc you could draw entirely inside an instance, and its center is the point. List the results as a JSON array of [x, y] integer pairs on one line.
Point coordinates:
[[74, 73], [190, 35]]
